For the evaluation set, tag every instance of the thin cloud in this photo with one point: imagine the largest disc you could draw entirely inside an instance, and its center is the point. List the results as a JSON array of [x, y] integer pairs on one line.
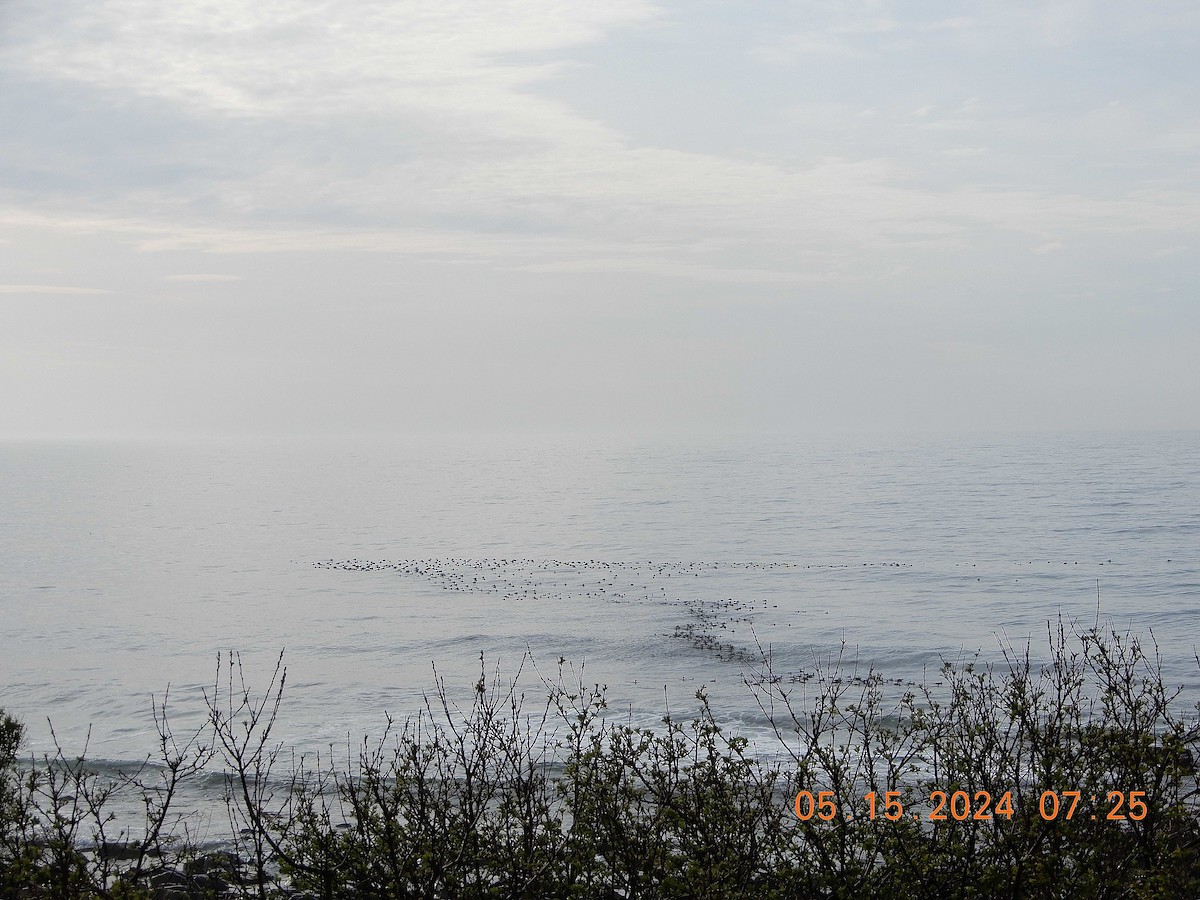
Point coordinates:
[[50, 289], [202, 277], [300, 58], [453, 130], [696, 271], [509, 156]]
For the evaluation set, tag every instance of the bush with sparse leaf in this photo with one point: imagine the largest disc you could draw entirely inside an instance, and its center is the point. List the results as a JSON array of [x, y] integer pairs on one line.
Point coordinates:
[[502, 799]]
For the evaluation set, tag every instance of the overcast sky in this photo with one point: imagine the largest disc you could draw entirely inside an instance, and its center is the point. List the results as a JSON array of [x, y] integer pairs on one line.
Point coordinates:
[[308, 216]]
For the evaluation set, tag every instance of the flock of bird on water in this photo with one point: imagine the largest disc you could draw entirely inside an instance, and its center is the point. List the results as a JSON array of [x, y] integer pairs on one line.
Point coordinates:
[[712, 625]]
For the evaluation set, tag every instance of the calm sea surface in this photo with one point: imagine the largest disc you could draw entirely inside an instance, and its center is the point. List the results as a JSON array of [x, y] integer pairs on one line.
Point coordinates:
[[125, 567]]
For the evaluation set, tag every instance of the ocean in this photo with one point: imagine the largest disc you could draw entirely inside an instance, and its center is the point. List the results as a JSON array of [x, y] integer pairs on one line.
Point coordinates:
[[655, 568]]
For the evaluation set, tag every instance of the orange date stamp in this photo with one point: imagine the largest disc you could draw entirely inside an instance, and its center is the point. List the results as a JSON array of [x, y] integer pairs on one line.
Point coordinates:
[[979, 806]]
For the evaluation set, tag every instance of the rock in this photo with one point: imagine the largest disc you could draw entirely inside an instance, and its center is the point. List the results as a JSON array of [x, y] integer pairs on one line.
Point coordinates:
[[219, 861], [119, 850], [169, 878]]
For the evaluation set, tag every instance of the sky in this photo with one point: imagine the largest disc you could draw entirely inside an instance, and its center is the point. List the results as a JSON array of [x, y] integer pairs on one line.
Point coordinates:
[[307, 217]]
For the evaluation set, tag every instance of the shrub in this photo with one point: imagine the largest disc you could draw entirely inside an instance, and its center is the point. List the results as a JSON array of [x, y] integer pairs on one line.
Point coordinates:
[[58, 834], [559, 799]]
